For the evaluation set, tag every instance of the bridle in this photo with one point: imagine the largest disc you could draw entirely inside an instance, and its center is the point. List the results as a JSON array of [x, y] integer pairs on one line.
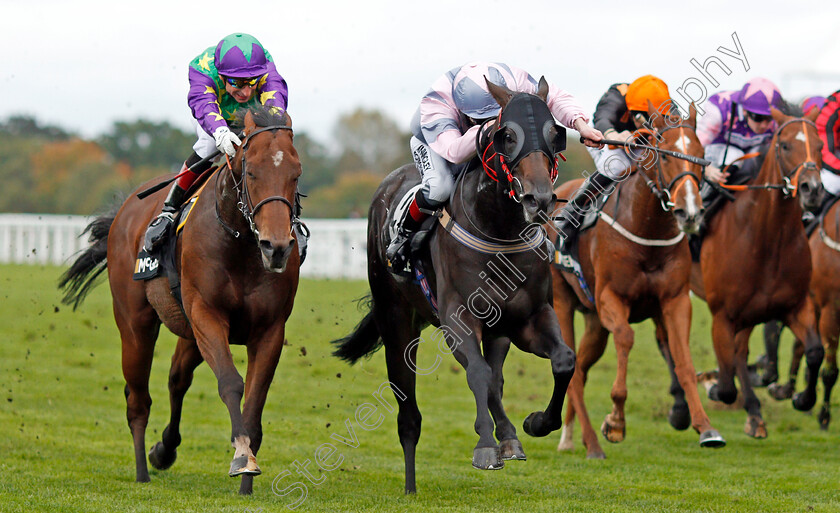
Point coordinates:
[[244, 203], [661, 191], [791, 179]]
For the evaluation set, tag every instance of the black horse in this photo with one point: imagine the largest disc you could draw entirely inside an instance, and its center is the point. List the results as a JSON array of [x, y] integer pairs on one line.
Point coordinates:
[[487, 268]]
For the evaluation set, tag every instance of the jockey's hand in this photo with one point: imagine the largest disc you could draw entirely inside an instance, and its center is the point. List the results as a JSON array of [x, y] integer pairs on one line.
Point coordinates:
[[589, 134], [714, 174], [623, 136], [225, 140]]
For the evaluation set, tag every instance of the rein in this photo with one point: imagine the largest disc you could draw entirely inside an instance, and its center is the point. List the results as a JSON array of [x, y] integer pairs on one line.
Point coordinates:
[[244, 203]]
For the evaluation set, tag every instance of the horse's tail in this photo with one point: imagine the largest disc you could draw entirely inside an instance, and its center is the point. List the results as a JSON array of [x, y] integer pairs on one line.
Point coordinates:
[[363, 341], [82, 275]]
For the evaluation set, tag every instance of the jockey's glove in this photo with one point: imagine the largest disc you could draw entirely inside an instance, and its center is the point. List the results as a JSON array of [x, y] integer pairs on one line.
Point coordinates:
[[225, 140]]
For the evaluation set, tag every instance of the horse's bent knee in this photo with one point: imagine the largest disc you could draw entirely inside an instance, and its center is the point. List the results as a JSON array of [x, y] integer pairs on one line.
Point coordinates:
[[814, 356], [564, 361], [231, 385]]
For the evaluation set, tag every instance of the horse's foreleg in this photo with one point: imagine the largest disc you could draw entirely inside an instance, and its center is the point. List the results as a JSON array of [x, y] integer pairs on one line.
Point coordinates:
[[614, 314], [495, 352], [676, 317], [564, 301], [186, 358], [723, 340], [138, 345], [754, 426], [678, 416], [211, 331], [593, 343], [829, 332], [263, 355], [803, 324]]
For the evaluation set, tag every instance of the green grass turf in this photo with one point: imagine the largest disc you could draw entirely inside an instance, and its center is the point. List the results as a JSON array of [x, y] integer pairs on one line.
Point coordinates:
[[65, 445]]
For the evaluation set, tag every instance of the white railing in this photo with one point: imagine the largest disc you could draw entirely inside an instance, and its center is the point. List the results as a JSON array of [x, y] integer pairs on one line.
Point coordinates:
[[336, 248]]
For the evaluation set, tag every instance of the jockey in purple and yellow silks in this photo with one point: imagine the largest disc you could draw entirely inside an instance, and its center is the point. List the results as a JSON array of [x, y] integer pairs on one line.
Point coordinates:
[[237, 73]]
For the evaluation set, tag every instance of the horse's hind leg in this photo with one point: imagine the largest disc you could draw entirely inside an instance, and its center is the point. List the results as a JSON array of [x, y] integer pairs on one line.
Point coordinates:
[[495, 352], [184, 361], [401, 339], [803, 324], [138, 335], [786, 391], [593, 343], [772, 334], [263, 356]]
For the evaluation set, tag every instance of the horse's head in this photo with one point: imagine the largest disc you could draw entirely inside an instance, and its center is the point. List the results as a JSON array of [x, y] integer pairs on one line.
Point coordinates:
[[796, 146], [526, 138], [266, 170], [678, 180]]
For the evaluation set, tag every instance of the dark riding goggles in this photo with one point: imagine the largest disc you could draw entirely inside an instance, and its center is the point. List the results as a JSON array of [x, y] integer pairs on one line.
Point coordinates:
[[759, 118], [239, 83]]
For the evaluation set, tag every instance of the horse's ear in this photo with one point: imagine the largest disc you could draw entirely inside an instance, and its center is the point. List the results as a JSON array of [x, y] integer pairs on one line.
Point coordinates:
[[542, 89], [250, 126], [778, 115], [812, 114], [653, 114], [692, 115], [501, 93]]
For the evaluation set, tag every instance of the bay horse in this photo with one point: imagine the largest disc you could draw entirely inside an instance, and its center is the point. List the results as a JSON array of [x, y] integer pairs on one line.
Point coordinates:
[[488, 269], [238, 267], [755, 264], [636, 262]]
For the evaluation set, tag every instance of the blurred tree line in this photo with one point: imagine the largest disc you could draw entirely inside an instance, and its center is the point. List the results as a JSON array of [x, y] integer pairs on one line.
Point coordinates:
[[46, 169]]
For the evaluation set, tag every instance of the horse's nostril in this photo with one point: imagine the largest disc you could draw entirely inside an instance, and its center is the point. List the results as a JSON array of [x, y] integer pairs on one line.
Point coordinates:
[[529, 202], [266, 247]]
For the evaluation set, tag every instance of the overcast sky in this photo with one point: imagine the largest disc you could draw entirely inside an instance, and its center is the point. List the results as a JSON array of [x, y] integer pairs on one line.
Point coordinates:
[[84, 64]]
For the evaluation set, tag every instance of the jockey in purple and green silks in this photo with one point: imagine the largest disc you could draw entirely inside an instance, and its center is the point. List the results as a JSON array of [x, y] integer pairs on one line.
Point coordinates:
[[237, 73]]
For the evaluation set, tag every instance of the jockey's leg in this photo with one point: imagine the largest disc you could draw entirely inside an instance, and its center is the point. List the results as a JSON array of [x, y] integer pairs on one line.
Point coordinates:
[[160, 226], [572, 214]]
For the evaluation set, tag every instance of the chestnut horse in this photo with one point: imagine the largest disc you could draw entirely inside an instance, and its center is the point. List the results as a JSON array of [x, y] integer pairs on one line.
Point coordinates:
[[755, 265], [638, 265], [489, 270], [825, 292], [239, 273]]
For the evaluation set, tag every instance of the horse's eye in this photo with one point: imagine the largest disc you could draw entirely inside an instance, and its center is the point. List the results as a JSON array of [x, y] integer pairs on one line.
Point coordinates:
[[252, 175], [785, 146]]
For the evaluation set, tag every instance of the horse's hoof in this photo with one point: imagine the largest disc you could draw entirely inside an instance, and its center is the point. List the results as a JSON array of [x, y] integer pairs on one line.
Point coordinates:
[[804, 401], [709, 380], [596, 455], [487, 458], [613, 433], [768, 378], [160, 458], [679, 417], [824, 417], [712, 438], [244, 464], [780, 392], [535, 425], [566, 441], [755, 427], [511, 449]]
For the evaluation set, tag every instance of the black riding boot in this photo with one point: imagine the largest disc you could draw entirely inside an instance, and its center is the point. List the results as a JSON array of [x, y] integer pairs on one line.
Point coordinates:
[[398, 250], [161, 224], [572, 214]]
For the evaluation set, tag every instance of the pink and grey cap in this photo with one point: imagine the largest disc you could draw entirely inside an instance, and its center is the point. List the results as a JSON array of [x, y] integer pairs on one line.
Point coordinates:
[[469, 90], [758, 95], [240, 56]]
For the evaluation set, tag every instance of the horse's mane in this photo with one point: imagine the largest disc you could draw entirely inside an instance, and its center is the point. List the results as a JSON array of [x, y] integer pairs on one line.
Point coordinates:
[[791, 109], [263, 116]]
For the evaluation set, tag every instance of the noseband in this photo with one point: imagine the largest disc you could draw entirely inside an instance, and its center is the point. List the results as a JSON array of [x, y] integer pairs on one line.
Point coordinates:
[[244, 203]]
